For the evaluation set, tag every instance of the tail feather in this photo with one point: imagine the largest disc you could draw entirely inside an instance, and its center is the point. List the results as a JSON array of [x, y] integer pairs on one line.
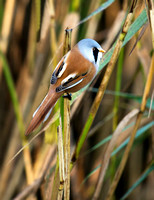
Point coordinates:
[[43, 110]]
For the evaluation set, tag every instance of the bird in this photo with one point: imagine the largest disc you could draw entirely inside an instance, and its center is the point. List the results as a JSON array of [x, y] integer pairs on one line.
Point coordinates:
[[73, 72]]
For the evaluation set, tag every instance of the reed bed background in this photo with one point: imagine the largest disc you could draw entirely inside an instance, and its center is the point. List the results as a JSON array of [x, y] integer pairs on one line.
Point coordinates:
[[110, 122]]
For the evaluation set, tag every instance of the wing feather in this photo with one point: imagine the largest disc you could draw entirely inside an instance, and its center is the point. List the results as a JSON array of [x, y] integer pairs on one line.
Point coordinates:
[[69, 82]]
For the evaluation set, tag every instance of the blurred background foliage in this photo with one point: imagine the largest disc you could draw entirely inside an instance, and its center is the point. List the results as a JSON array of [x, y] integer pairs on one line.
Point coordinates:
[[31, 44]]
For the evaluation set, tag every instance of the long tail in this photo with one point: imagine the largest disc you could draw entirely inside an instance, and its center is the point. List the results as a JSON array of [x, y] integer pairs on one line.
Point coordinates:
[[43, 111]]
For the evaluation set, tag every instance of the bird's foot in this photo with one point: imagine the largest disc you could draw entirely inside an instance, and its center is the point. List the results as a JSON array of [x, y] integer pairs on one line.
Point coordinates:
[[68, 96]]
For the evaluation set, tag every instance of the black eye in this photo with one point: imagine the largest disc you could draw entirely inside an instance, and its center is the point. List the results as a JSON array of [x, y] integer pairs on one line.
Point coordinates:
[[95, 53]]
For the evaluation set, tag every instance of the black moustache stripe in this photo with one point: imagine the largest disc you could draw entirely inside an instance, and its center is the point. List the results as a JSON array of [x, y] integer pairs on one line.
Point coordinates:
[[95, 53]]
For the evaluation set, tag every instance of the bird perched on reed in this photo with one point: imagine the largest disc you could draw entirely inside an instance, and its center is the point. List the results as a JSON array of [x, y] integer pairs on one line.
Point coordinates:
[[74, 71]]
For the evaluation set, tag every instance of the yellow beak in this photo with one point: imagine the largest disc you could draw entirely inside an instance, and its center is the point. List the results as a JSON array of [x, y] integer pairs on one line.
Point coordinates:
[[102, 50]]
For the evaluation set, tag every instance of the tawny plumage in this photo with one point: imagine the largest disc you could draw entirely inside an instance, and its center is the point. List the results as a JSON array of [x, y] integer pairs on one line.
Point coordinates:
[[75, 70]]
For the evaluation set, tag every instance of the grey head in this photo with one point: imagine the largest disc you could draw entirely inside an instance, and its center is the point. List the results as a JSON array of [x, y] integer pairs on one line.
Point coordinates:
[[91, 50]]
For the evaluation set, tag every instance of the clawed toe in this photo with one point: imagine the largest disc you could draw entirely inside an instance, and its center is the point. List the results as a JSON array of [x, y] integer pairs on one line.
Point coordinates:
[[68, 96]]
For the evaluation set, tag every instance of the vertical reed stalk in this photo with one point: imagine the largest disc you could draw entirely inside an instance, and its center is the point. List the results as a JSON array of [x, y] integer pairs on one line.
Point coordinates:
[[117, 88], [6, 25], [67, 47], [65, 125], [61, 162]]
